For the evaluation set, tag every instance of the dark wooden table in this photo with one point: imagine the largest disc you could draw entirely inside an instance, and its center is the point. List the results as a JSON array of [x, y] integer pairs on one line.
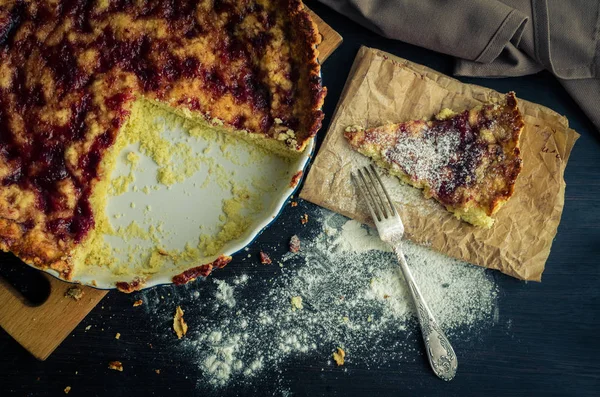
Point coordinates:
[[552, 347]]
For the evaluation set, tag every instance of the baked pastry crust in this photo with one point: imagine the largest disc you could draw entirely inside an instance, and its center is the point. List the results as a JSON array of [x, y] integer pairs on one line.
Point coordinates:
[[69, 71], [467, 161]]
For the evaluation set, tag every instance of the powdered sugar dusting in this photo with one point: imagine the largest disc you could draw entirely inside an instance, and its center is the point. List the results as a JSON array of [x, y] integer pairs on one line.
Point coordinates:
[[353, 297], [224, 293], [337, 194], [427, 155]]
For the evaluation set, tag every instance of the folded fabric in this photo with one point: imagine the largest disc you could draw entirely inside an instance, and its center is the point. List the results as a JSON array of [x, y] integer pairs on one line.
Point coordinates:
[[494, 38]]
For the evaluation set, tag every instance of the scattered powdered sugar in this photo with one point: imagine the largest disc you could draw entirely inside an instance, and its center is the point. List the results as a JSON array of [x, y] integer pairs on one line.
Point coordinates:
[[221, 357], [224, 293], [356, 238], [353, 297], [245, 329]]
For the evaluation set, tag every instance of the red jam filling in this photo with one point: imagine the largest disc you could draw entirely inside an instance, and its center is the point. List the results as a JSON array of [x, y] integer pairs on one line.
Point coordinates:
[[447, 174]]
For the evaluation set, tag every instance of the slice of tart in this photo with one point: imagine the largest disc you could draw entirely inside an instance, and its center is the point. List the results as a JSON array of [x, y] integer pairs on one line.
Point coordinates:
[[467, 161], [70, 69]]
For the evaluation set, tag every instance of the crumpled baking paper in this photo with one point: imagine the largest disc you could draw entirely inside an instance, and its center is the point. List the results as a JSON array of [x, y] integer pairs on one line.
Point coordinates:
[[383, 88]]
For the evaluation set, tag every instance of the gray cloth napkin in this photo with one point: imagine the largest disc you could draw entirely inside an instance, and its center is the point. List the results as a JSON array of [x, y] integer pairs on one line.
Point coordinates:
[[493, 38]]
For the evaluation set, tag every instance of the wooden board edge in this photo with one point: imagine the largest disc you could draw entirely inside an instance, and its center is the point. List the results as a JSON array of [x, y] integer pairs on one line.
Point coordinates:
[[41, 329], [330, 39]]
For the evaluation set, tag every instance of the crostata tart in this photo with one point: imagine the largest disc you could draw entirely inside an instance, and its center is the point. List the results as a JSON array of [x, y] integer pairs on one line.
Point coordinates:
[[70, 70]]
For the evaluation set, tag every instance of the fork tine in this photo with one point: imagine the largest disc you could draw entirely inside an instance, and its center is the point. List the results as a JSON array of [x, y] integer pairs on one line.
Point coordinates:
[[365, 195], [390, 202], [377, 194], [372, 194]]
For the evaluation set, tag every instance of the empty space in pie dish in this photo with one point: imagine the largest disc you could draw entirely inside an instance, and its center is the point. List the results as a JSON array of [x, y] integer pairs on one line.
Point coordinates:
[[180, 194]]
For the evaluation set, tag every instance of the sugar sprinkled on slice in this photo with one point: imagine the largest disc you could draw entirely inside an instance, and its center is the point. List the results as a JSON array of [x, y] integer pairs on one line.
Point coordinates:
[[426, 156]]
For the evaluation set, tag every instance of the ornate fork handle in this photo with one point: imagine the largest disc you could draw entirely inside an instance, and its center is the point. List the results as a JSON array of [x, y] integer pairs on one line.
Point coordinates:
[[440, 353]]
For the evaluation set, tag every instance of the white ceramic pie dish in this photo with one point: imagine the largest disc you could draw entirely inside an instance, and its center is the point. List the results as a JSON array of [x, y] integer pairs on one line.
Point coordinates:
[[184, 206]]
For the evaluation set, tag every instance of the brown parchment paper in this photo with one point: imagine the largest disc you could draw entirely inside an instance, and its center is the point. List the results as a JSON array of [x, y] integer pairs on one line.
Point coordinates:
[[383, 88]]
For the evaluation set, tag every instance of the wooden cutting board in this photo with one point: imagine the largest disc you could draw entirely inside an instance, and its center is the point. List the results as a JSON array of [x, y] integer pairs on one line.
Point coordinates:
[[40, 329]]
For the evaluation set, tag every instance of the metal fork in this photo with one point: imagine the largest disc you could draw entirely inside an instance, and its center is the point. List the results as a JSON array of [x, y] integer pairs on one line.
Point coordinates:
[[389, 225]]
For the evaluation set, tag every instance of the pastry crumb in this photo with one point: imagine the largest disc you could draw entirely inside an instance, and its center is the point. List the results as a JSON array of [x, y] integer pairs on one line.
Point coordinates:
[[295, 179], [339, 356], [67, 389], [445, 114], [74, 293], [116, 365], [138, 302], [294, 203], [118, 336], [354, 128], [294, 244], [157, 371], [304, 219], [264, 258], [296, 302], [179, 324]]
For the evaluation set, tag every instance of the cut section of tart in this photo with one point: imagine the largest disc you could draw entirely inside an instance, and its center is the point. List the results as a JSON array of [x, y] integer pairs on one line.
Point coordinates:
[[70, 70], [467, 161]]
